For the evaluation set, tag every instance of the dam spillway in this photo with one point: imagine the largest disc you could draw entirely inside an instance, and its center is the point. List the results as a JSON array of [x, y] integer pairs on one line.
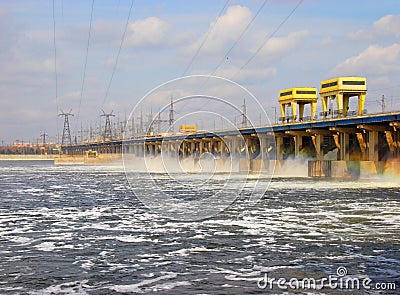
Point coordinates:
[[333, 147]]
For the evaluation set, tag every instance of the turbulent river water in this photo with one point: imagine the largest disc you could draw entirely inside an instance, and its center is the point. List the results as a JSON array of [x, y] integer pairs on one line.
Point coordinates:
[[81, 230]]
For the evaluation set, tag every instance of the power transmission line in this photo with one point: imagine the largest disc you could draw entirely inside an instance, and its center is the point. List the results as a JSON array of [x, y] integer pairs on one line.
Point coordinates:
[[259, 49], [245, 120], [240, 37], [234, 44], [267, 38], [205, 39], [119, 52], [86, 58], [107, 136], [66, 135]]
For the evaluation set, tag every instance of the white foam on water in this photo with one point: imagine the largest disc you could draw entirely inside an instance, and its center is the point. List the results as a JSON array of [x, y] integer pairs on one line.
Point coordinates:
[[169, 286], [76, 288], [245, 223], [11, 289], [117, 266], [242, 274], [103, 253], [199, 237], [229, 286], [45, 246], [88, 264], [101, 226], [333, 184], [188, 251], [23, 241], [163, 263], [223, 233], [133, 239], [147, 275], [67, 246], [139, 287]]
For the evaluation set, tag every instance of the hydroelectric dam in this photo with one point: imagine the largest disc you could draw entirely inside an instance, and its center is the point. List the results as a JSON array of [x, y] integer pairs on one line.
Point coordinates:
[[340, 144]]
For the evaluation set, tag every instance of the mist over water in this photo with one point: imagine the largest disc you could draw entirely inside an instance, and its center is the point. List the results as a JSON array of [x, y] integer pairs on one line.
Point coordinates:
[[206, 163], [81, 230]]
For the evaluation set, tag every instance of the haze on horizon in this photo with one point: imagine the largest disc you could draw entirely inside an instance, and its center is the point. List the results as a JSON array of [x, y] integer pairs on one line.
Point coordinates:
[[263, 45]]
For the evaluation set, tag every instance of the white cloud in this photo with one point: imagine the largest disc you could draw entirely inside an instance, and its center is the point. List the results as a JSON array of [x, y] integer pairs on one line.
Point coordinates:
[[361, 35], [388, 25], [278, 47], [224, 30], [26, 71], [148, 32], [375, 60]]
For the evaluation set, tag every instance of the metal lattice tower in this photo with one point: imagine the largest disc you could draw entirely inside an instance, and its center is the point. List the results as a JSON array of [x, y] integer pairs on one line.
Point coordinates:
[[158, 121], [141, 124], [150, 123], [66, 135], [107, 128], [171, 116], [245, 120], [43, 136]]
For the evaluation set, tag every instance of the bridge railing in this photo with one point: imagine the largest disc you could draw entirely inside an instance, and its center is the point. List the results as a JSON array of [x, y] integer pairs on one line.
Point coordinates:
[[332, 114]]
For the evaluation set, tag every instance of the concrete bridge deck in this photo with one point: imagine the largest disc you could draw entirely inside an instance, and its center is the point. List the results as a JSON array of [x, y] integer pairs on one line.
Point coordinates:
[[334, 147]]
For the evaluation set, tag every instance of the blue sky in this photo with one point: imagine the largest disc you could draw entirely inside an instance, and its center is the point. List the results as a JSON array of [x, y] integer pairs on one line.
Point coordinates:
[[320, 40]]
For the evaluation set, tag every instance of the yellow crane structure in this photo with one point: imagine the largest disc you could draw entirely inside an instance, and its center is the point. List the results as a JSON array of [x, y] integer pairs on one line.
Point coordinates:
[[342, 89], [298, 96]]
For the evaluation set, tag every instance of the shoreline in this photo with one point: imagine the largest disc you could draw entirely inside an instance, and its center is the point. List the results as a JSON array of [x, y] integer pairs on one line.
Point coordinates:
[[27, 157]]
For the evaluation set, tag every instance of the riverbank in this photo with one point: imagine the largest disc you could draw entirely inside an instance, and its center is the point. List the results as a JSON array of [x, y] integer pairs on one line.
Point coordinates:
[[27, 157]]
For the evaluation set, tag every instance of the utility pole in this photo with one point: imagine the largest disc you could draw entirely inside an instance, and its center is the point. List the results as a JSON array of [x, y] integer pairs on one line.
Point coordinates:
[[141, 124], [66, 136], [90, 132], [133, 126], [159, 122], [171, 116], [82, 135], [383, 103], [43, 137], [107, 136], [150, 122], [244, 115]]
